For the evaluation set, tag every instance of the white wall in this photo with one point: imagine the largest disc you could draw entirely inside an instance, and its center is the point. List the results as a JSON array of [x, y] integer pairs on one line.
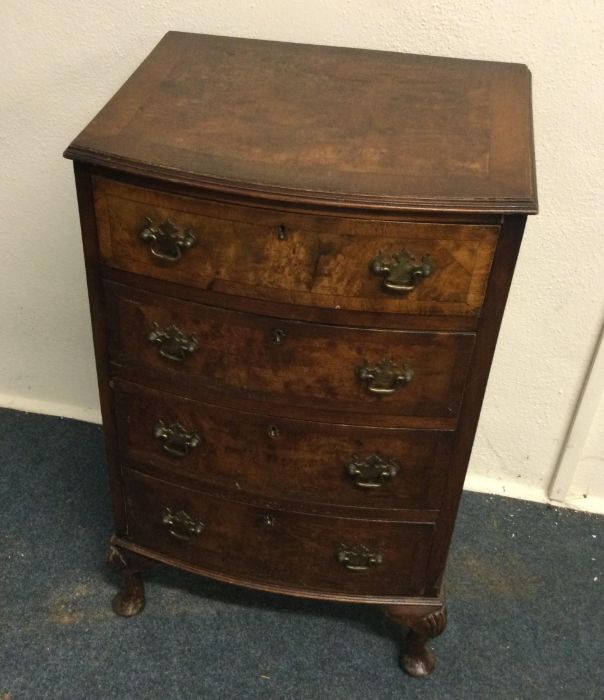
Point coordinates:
[[586, 487], [62, 60], [578, 478]]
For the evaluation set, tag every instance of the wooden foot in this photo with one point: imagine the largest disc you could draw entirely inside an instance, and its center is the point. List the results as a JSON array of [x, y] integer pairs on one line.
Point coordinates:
[[424, 623], [130, 600]]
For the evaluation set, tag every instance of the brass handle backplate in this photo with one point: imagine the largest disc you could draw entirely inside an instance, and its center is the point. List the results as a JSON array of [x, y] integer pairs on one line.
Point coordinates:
[[401, 272], [357, 557], [175, 439], [166, 242], [385, 377], [181, 525], [373, 471], [172, 343]]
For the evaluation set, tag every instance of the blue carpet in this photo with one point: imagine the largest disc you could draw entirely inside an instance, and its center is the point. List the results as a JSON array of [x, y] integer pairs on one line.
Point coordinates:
[[526, 613]]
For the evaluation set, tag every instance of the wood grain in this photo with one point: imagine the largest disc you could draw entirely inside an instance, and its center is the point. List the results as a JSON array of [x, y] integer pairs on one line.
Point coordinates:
[[274, 458], [323, 261], [264, 545], [318, 123], [314, 365]]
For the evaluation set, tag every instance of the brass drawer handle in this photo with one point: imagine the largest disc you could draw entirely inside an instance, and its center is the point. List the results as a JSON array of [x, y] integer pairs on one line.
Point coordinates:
[[373, 471], [401, 272], [166, 242], [181, 525], [385, 377], [357, 557], [175, 439], [173, 343]]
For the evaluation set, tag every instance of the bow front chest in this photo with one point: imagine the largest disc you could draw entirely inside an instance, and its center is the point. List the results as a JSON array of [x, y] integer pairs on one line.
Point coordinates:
[[298, 258]]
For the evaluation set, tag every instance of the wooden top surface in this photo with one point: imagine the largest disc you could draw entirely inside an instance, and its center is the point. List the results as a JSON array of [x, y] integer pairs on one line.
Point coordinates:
[[319, 124]]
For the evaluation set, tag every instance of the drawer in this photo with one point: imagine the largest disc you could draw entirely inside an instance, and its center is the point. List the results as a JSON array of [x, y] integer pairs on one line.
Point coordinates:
[[306, 552], [318, 261], [279, 458], [197, 347]]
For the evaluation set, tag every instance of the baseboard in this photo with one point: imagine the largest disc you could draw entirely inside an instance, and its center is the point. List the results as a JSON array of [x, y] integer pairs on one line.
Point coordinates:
[[587, 504], [501, 487], [50, 408], [512, 489]]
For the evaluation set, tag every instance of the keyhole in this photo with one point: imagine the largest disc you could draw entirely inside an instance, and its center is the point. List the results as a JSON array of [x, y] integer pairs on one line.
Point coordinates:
[[273, 432], [281, 232], [278, 336]]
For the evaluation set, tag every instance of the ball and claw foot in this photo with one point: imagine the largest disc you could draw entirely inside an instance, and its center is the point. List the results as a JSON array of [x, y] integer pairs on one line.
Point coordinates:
[[417, 659], [130, 600]]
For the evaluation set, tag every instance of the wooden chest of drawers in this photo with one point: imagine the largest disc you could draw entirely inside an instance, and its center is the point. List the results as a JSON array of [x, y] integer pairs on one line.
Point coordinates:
[[298, 258]]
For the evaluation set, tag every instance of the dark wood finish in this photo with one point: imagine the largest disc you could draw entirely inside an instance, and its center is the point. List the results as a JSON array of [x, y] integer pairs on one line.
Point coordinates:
[[130, 600], [262, 544], [273, 255], [499, 285], [332, 317], [292, 459], [424, 623], [319, 412], [293, 167], [302, 369], [318, 123], [99, 328], [323, 208]]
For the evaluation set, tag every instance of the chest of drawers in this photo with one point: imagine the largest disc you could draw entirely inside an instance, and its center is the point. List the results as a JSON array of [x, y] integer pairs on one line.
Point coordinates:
[[298, 258]]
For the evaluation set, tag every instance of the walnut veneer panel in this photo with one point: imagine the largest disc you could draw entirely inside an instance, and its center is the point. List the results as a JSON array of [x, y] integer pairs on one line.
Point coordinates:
[[308, 260], [323, 123], [264, 545], [299, 460], [313, 365]]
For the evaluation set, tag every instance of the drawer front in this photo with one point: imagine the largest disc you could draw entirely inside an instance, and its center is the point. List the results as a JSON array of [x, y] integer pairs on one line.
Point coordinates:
[[318, 261], [309, 552], [279, 458], [289, 362]]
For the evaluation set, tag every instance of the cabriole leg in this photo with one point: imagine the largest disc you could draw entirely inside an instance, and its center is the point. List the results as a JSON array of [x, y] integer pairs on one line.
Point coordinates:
[[417, 659], [130, 600]]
